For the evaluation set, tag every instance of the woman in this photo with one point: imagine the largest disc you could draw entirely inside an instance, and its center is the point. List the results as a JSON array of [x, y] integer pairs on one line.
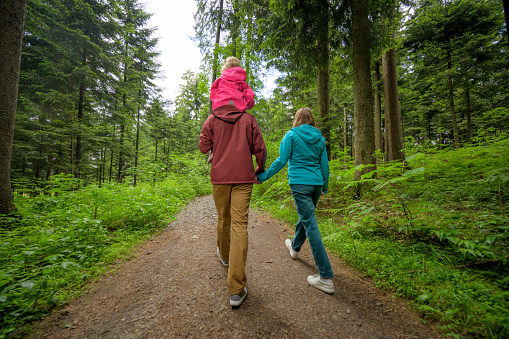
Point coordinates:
[[303, 147]]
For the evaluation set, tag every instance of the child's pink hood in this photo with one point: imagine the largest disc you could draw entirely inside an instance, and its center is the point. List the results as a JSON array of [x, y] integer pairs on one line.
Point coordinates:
[[231, 87], [234, 74]]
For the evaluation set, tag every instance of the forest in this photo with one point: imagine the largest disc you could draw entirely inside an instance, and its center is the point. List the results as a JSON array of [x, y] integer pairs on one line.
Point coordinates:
[[412, 97]]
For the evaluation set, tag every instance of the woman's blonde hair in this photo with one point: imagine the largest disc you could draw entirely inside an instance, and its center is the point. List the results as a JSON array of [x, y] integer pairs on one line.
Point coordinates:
[[304, 116], [230, 62]]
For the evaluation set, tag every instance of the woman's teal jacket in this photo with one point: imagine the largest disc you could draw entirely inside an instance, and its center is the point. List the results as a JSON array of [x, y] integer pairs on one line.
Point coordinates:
[[304, 149]]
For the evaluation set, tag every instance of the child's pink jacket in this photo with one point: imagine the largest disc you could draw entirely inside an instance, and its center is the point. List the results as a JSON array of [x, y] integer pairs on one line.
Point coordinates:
[[232, 86]]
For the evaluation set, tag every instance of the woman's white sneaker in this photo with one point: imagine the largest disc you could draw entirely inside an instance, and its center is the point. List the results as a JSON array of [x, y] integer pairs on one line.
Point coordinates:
[[316, 281], [294, 254]]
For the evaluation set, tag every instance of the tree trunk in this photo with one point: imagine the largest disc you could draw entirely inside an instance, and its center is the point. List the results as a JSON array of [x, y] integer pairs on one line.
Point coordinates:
[[402, 128], [72, 143], [324, 104], [121, 154], [429, 127], [155, 156], [451, 105], [81, 100], [455, 130], [378, 112], [469, 115], [137, 146], [248, 47], [12, 21], [393, 131], [323, 95], [362, 91], [352, 142], [36, 168], [441, 136], [99, 168], [216, 46], [103, 166], [235, 28], [506, 14], [49, 172], [122, 130], [111, 166], [345, 131]]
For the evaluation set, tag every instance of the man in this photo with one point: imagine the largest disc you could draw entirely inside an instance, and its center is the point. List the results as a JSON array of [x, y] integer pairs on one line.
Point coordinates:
[[233, 137]]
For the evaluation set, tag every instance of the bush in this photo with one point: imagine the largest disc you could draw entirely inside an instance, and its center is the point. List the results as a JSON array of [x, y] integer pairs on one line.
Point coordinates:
[[65, 236], [433, 229]]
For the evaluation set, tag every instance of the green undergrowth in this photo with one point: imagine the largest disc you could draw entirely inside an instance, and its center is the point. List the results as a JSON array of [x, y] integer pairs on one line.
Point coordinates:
[[433, 230], [62, 238]]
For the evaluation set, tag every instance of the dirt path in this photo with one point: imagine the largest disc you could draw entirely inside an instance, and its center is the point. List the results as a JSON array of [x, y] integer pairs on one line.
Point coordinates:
[[176, 287]]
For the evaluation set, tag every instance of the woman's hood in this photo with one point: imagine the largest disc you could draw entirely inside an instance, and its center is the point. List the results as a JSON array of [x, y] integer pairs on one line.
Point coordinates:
[[311, 135]]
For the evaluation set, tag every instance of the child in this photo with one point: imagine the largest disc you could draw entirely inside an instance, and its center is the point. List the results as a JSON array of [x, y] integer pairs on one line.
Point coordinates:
[[231, 87]]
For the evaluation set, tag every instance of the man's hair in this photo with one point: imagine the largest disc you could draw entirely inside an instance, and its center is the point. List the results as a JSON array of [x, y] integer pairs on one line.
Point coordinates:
[[230, 62], [304, 116]]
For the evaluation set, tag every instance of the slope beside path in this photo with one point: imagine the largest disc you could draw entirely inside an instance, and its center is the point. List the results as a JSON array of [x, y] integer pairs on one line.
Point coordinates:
[[176, 287]]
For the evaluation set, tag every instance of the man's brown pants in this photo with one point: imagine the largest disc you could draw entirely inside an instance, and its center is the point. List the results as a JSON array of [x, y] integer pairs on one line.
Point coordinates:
[[232, 204]]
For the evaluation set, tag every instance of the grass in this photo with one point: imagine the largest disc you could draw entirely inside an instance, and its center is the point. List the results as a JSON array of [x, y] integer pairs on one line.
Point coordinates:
[[432, 230], [64, 237]]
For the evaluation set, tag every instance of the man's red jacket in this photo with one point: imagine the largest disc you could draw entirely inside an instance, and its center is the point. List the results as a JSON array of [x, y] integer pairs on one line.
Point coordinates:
[[233, 137]]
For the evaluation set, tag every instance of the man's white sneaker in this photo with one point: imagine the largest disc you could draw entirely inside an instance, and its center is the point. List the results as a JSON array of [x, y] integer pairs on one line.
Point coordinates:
[[316, 281], [225, 263], [294, 254]]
